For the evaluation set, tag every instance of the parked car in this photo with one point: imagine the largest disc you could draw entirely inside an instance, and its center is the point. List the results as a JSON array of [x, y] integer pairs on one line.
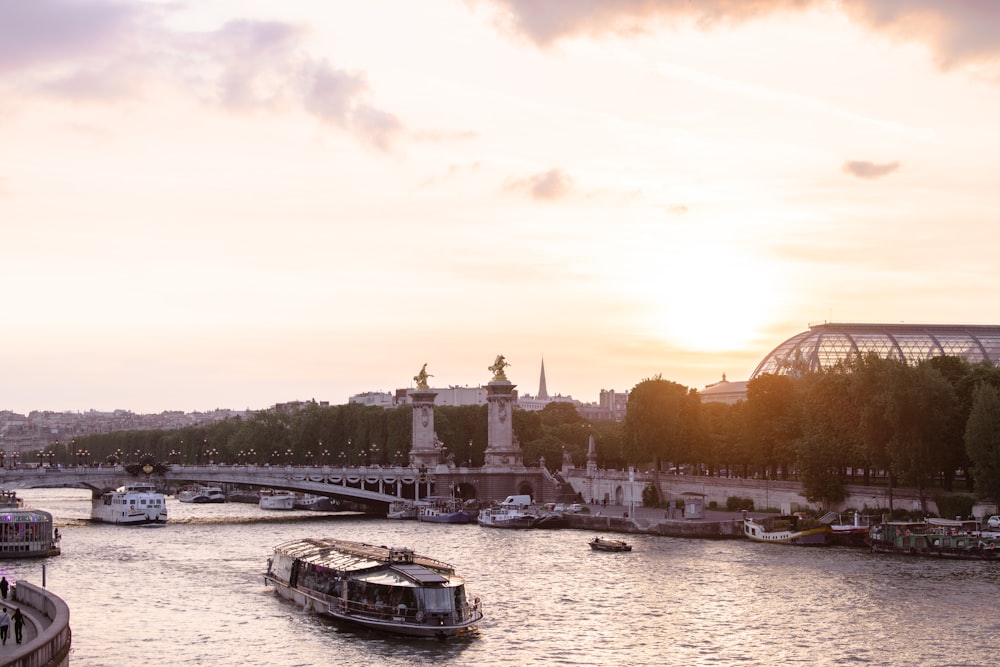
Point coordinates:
[[575, 507], [994, 521]]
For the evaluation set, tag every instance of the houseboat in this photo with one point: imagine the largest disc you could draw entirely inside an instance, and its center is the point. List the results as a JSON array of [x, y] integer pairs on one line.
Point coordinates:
[[787, 529], [513, 512], [201, 494], [937, 538], [25, 533], [314, 503], [444, 510], [271, 499], [381, 588], [402, 509], [132, 505]]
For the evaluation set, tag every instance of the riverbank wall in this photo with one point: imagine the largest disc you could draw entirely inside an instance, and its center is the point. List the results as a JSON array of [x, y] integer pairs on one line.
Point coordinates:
[[48, 641]]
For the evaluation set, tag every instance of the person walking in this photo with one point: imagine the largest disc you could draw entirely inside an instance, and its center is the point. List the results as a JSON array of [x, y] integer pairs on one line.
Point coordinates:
[[4, 626], [18, 619], [4, 587]]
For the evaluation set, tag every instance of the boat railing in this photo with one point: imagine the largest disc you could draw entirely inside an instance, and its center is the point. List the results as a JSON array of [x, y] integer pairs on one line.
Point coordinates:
[[403, 614]]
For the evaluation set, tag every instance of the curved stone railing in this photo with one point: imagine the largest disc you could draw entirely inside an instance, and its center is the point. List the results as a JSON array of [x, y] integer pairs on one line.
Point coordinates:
[[51, 646]]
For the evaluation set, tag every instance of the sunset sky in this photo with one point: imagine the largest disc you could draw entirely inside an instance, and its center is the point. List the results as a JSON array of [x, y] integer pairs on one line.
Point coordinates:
[[233, 203]]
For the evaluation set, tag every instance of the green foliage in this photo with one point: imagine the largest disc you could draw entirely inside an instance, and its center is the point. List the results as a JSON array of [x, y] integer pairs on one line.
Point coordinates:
[[650, 496], [736, 504], [951, 506], [982, 440], [661, 422]]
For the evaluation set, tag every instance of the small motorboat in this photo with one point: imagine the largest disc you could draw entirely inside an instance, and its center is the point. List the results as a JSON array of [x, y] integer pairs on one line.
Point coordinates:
[[603, 544]]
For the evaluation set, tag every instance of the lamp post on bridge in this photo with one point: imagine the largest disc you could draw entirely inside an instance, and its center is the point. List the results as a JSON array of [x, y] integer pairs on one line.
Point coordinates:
[[175, 456]]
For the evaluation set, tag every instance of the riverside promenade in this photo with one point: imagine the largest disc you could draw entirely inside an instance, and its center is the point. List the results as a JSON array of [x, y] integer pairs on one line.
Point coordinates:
[[46, 637]]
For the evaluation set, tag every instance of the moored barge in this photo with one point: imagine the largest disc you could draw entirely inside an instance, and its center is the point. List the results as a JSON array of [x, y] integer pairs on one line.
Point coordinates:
[[382, 588]]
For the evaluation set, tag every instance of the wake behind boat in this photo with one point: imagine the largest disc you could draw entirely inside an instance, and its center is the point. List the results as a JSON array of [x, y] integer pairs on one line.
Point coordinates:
[[134, 504], [382, 588]]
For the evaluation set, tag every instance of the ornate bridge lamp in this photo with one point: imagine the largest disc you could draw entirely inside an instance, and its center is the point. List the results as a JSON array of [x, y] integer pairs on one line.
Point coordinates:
[[211, 455], [343, 459], [289, 455], [326, 457], [175, 456], [309, 459], [252, 456]]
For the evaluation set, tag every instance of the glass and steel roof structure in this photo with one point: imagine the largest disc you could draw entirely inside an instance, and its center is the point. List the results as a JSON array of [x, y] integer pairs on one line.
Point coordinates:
[[823, 345]]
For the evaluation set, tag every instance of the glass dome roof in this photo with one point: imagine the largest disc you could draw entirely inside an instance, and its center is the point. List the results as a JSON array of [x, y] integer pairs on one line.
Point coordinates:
[[825, 344]]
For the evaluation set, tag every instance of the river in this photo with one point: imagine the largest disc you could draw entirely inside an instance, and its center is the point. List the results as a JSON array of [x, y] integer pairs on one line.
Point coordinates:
[[191, 593]]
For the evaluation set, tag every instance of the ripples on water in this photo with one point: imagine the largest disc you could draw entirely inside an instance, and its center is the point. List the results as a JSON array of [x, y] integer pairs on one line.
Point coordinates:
[[192, 593]]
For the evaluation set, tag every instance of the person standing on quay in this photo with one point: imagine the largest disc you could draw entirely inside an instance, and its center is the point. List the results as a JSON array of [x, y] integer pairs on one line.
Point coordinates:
[[4, 586], [4, 626], [18, 619]]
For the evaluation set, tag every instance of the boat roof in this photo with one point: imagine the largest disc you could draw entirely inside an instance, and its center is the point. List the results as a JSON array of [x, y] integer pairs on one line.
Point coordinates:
[[951, 523], [346, 556]]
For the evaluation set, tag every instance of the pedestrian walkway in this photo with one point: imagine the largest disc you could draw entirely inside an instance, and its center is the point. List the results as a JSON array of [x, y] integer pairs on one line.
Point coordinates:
[[33, 622]]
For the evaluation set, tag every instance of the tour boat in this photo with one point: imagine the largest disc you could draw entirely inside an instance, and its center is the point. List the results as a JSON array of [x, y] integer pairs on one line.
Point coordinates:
[[382, 588], [271, 499], [787, 529], [937, 538], [201, 494], [134, 504], [25, 533], [604, 544]]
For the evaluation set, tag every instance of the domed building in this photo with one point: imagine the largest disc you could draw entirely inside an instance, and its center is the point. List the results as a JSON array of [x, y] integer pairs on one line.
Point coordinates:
[[823, 345], [826, 344]]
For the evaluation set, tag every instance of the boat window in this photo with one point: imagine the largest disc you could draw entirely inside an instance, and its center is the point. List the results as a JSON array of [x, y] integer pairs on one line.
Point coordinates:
[[436, 599]]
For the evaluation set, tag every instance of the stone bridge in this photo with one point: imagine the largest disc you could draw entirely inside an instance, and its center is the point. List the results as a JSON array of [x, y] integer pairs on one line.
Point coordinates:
[[373, 487]]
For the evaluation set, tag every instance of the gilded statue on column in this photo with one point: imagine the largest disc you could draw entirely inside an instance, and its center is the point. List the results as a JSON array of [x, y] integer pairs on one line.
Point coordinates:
[[421, 378], [497, 368]]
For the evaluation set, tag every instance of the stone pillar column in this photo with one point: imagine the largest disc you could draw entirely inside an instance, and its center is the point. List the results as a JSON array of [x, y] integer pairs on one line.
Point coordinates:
[[424, 449], [501, 450]]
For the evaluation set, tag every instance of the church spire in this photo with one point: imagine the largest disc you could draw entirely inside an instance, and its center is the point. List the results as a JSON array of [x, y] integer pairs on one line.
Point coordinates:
[[543, 392]]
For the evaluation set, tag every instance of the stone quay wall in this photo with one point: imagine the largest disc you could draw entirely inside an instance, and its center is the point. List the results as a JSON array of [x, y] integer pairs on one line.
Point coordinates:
[[50, 647]]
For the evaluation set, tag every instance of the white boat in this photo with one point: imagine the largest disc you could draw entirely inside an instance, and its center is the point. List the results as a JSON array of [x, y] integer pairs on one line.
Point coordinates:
[[271, 499], [201, 494], [512, 513], [133, 504], [402, 509], [787, 529], [382, 588], [25, 533]]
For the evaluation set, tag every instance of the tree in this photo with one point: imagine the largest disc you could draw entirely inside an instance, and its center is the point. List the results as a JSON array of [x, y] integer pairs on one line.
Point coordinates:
[[982, 440], [773, 421], [660, 423]]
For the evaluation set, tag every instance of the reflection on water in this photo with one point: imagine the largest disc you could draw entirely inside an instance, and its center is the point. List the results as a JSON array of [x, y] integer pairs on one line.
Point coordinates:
[[191, 592]]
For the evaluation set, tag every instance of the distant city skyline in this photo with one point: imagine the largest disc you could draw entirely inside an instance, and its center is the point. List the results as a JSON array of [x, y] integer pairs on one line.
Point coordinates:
[[238, 203]]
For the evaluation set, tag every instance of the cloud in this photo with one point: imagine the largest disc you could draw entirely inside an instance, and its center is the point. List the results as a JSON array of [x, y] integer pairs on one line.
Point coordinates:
[[49, 31], [959, 32], [547, 186], [869, 170], [104, 51]]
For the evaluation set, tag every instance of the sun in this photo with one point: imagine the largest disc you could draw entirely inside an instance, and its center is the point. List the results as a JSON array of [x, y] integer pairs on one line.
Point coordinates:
[[710, 297]]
